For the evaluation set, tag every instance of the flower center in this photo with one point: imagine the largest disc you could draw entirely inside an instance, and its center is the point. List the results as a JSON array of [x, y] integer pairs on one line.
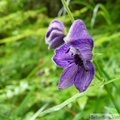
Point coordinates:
[[75, 53], [78, 60]]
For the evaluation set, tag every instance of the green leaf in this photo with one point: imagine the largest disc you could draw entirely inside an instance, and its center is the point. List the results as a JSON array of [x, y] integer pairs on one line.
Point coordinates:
[[24, 102], [73, 98], [38, 112], [104, 13]]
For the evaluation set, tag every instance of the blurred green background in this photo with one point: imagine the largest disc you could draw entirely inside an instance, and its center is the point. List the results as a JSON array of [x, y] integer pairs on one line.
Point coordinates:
[[29, 78]]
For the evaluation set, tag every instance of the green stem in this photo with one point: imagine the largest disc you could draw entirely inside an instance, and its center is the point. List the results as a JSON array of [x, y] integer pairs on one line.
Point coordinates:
[[101, 72], [68, 10], [112, 99], [108, 78]]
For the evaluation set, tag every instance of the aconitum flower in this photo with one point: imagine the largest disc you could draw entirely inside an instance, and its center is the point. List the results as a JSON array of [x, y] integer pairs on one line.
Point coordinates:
[[55, 34], [74, 57]]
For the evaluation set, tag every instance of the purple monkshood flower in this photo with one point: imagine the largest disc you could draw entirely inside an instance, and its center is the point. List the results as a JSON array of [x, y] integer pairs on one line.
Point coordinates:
[[74, 56], [55, 34]]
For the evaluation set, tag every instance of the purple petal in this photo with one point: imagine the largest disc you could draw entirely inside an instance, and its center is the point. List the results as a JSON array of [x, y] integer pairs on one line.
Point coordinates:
[[85, 50], [79, 32], [84, 78], [55, 25], [61, 57], [56, 42], [67, 77], [55, 34]]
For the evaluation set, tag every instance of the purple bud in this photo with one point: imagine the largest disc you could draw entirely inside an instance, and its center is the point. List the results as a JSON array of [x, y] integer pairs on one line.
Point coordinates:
[[55, 34]]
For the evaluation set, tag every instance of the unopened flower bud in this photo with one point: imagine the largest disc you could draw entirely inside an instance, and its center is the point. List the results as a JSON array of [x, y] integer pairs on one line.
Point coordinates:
[[55, 34]]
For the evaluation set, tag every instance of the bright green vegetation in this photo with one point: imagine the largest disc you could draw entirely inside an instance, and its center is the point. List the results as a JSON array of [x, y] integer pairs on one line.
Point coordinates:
[[29, 78]]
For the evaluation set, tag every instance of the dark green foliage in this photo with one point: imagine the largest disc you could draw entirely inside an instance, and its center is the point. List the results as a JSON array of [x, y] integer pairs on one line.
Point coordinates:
[[29, 78]]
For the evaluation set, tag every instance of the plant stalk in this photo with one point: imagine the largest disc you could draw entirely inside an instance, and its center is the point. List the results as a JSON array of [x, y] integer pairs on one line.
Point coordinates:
[[68, 10], [106, 87]]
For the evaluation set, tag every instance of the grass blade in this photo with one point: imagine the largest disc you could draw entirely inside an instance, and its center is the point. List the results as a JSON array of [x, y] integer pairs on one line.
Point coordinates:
[[73, 98]]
